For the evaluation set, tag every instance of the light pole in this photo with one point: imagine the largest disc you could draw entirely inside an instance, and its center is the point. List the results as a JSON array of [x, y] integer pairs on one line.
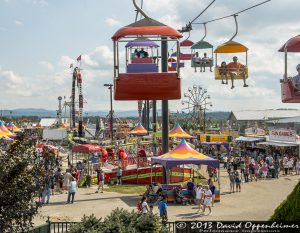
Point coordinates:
[[111, 111]]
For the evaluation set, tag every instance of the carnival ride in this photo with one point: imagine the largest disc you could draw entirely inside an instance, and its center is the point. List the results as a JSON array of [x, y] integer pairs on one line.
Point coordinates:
[[289, 92], [143, 80], [196, 103]]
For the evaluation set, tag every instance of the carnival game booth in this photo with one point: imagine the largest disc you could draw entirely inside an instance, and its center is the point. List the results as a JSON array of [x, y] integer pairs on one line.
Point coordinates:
[[248, 143], [282, 141], [214, 142], [86, 152], [182, 154]]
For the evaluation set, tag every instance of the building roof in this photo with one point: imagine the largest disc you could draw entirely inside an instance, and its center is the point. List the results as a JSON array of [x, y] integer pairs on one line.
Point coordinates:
[[48, 122], [252, 115], [287, 120]]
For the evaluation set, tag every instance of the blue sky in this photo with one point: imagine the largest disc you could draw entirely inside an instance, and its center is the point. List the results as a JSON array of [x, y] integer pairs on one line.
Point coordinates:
[[40, 38]]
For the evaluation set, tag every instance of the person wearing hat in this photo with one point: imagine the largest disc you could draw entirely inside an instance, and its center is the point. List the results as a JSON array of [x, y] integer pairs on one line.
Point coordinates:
[[296, 79], [235, 69], [207, 199]]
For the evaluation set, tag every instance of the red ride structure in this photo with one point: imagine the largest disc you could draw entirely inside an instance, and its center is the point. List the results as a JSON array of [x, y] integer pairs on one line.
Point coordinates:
[[149, 84], [289, 94]]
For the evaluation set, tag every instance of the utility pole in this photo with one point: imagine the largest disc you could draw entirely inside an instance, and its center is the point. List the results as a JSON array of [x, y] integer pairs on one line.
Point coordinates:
[[111, 111]]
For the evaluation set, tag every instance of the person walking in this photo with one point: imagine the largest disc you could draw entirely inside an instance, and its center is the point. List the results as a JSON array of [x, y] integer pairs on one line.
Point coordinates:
[[144, 204], [237, 181], [207, 199], [162, 206], [231, 179], [72, 190], [47, 190], [119, 175], [67, 179], [199, 196], [101, 181]]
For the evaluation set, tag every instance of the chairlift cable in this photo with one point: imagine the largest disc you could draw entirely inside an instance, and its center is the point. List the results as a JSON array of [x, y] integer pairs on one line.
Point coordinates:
[[224, 17]]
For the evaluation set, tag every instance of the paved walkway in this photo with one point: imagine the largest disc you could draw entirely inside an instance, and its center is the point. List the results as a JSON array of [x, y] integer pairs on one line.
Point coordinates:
[[256, 201]]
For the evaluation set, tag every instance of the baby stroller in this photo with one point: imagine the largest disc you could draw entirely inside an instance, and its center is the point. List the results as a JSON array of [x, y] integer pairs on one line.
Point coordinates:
[[179, 197]]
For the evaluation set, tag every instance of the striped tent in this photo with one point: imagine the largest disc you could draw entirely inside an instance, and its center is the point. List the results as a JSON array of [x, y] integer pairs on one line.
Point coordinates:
[[178, 132], [139, 130], [4, 131], [12, 128]]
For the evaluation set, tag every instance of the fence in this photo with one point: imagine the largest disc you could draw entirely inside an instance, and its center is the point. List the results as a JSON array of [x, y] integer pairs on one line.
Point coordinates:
[[63, 227]]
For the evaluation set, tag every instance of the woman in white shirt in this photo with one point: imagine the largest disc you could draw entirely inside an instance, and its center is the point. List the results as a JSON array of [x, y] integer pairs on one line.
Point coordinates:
[[199, 195], [144, 205], [207, 199]]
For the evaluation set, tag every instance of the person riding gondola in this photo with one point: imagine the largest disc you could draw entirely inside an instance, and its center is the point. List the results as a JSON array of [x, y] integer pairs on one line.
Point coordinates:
[[296, 80], [235, 68]]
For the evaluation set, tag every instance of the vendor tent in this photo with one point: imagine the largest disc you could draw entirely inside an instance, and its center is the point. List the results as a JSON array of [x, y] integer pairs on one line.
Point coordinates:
[[4, 131], [183, 154], [11, 127], [139, 130], [178, 132], [86, 148]]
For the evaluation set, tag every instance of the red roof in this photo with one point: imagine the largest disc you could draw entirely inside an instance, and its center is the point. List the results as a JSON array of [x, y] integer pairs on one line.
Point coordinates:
[[86, 148], [146, 27], [292, 45], [186, 43]]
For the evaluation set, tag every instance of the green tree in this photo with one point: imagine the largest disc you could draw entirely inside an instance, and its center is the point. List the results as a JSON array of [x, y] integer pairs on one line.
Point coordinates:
[[289, 210], [121, 221], [22, 178]]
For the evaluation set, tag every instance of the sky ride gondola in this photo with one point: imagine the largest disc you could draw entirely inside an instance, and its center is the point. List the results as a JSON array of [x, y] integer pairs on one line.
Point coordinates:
[[289, 92], [232, 47], [140, 84], [201, 45]]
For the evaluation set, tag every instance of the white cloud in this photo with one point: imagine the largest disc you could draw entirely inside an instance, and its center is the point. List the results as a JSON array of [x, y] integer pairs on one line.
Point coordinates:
[[40, 2], [18, 23], [47, 65], [111, 22], [65, 61]]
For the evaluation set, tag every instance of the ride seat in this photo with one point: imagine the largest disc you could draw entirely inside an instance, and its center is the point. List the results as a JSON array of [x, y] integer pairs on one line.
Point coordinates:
[[147, 86], [236, 77], [288, 92], [186, 56], [142, 60], [142, 68]]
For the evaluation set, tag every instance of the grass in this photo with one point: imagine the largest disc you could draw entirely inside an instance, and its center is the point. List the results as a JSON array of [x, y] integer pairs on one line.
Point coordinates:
[[127, 189]]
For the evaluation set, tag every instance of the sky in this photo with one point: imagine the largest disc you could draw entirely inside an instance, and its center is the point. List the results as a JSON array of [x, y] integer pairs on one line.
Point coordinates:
[[40, 38]]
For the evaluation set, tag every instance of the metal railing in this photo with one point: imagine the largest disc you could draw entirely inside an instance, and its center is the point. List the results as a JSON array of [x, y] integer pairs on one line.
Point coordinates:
[[64, 227]]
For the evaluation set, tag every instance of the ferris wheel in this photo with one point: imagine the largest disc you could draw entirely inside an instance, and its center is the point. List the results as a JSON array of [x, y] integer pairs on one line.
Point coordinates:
[[196, 103]]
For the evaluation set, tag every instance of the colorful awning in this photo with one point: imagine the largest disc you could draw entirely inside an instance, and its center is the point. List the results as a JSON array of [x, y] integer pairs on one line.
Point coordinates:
[[11, 127], [231, 47], [292, 45], [4, 131], [86, 148], [139, 130], [184, 154], [178, 132]]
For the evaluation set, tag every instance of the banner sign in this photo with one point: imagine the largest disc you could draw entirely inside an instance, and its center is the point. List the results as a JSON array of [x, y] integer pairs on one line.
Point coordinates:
[[236, 226], [214, 138], [284, 135], [254, 131]]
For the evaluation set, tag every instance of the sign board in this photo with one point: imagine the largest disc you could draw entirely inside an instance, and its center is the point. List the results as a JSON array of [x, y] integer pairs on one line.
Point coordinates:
[[254, 131], [284, 135], [214, 138]]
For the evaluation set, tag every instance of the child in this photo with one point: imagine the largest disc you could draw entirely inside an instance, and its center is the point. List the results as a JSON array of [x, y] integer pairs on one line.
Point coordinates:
[[223, 72], [151, 211]]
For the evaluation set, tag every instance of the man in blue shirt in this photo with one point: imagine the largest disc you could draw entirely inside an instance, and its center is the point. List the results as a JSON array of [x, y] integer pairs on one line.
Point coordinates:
[[190, 188], [162, 206]]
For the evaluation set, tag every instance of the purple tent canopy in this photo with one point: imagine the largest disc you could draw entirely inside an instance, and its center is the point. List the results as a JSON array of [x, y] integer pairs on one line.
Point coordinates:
[[184, 154], [141, 43]]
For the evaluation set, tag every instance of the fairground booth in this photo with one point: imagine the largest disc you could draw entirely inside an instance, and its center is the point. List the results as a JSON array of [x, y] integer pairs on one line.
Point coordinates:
[[214, 143], [282, 141], [182, 155]]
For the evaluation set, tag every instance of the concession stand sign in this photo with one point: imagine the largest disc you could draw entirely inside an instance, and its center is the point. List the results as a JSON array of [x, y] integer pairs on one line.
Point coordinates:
[[284, 135]]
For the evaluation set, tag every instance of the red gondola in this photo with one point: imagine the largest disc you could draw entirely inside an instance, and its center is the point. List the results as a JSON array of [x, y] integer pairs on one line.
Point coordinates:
[[150, 84], [288, 92]]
